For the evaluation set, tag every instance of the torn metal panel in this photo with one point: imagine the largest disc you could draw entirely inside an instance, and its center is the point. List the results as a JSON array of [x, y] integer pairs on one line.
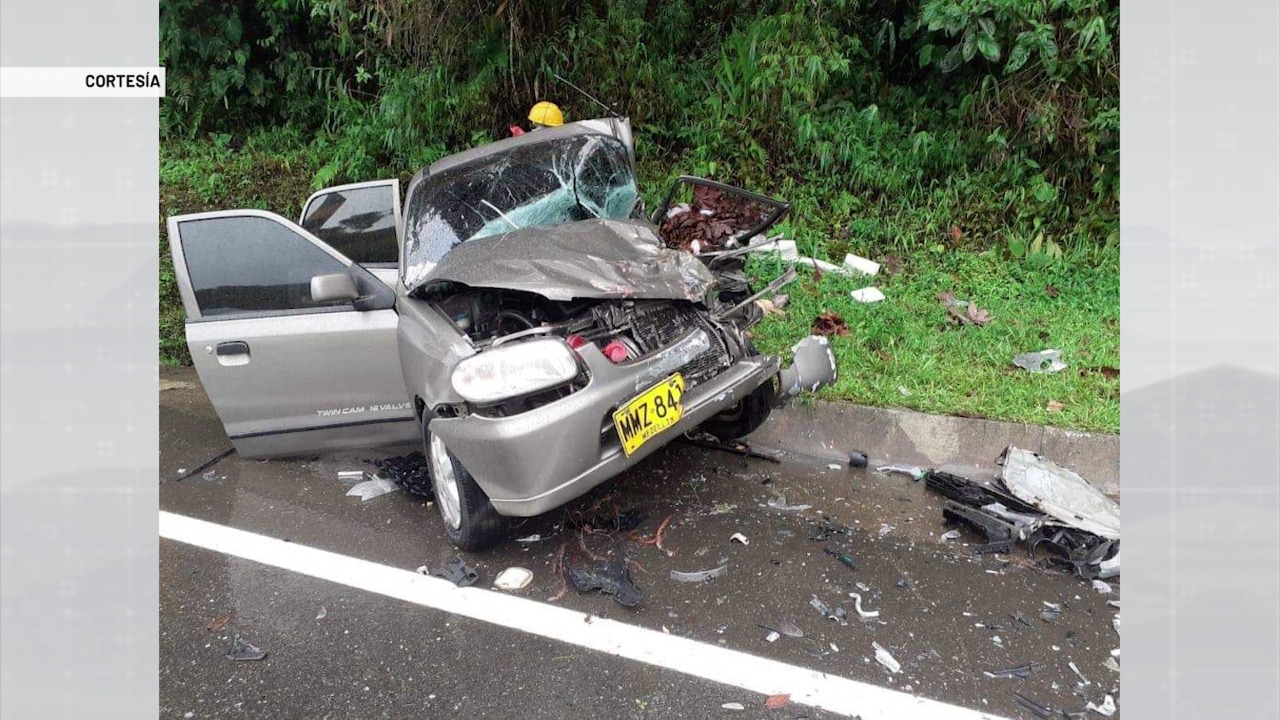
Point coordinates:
[[1060, 493]]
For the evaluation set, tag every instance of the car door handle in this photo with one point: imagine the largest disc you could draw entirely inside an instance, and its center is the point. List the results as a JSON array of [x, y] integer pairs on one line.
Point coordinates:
[[238, 347]]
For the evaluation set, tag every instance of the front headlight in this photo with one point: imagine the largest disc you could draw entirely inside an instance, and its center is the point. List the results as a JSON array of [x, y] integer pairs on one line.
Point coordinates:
[[513, 370]]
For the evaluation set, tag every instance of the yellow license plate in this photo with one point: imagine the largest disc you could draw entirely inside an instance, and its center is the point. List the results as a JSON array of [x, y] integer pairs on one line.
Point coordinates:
[[649, 413]]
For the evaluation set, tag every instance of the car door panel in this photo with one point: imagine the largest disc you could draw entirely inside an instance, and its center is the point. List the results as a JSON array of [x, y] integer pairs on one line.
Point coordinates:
[[286, 375], [360, 220]]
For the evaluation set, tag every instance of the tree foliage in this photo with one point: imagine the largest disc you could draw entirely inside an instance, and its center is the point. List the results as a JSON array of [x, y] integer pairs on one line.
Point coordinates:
[[862, 99]]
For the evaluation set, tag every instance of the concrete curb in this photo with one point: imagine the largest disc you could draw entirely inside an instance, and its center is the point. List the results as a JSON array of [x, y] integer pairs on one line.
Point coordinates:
[[893, 435]]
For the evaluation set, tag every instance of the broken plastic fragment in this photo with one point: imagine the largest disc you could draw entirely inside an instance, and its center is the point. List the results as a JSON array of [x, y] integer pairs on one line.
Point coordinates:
[[351, 476], [914, 472], [611, 578], [790, 629], [867, 295], [857, 605], [779, 502], [885, 658], [1107, 708], [772, 636], [370, 489], [243, 650], [536, 537], [861, 264], [513, 578], [324, 612], [1036, 708], [733, 706], [1102, 587], [949, 535], [739, 537], [699, 576], [458, 572], [1045, 361]]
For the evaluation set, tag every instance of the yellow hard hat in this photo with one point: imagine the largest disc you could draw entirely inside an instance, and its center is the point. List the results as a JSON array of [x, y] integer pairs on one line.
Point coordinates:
[[546, 114]]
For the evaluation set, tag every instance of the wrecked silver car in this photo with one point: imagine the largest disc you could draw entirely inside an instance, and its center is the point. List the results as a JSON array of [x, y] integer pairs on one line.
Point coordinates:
[[522, 318]]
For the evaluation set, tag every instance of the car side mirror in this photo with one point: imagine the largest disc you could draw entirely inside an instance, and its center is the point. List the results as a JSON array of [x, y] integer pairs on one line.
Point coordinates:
[[335, 287]]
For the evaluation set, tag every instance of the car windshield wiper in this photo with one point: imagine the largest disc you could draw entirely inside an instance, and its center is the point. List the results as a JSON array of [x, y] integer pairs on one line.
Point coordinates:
[[501, 214]]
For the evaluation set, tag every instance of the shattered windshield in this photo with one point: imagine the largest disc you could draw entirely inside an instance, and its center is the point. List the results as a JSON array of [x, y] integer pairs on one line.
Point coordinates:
[[546, 183]]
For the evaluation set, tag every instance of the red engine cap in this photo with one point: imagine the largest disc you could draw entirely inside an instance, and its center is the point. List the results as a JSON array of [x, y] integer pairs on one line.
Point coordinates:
[[615, 351], [576, 341]]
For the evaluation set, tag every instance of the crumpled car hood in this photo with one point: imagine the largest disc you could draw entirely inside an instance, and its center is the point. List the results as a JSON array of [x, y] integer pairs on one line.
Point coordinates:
[[598, 259]]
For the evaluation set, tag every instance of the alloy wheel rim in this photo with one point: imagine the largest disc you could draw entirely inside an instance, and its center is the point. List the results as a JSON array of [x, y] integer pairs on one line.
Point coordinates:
[[446, 481]]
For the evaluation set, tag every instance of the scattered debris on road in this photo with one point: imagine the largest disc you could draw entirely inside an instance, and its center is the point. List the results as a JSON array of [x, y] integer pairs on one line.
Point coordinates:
[[1045, 361], [370, 489], [739, 538], [773, 702], [911, 471], [456, 571], [324, 613], [1034, 707], [1041, 505], [218, 623], [857, 459], [864, 614], [733, 706], [838, 614], [513, 578], [242, 650], [845, 558], [700, 575], [1107, 708], [779, 502], [1021, 671], [351, 476], [611, 577], [885, 658], [409, 471], [861, 264]]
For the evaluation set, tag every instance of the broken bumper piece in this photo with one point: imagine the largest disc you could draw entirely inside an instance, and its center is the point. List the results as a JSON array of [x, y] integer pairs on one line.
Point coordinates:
[[540, 459], [813, 367]]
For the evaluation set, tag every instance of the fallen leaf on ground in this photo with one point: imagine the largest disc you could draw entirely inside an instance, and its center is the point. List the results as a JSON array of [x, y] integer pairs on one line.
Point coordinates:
[[961, 312], [956, 233], [891, 264], [1054, 406], [216, 624], [773, 702], [829, 323], [768, 307], [1050, 290]]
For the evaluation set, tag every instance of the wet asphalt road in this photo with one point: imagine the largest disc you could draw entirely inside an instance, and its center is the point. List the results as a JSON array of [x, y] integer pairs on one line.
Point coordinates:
[[944, 614]]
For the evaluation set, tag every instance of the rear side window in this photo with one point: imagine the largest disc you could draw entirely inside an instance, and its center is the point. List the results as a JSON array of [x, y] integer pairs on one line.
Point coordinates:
[[357, 222], [252, 264]]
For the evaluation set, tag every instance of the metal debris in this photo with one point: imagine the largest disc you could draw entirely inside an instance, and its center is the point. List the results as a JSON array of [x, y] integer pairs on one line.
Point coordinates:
[[1020, 671], [1036, 708]]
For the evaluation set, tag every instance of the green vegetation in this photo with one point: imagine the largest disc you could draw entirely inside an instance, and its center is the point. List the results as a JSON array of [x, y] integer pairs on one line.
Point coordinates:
[[975, 141]]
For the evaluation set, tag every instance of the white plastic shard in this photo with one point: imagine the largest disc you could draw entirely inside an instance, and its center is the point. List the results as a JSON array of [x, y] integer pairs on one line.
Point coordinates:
[[860, 264], [1060, 493], [867, 295], [513, 578], [370, 489], [886, 659]]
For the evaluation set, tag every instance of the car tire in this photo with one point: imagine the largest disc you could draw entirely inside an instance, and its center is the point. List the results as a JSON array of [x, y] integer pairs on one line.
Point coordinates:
[[743, 418], [470, 520]]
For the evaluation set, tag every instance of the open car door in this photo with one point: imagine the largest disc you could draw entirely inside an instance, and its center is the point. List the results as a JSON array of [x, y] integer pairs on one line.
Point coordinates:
[[294, 343], [362, 221]]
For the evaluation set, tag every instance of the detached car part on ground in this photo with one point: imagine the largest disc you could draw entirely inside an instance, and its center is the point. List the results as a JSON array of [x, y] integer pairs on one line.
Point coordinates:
[[522, 319]]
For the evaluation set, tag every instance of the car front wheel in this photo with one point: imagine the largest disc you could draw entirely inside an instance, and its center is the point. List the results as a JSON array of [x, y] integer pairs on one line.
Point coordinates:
[[470, 520]]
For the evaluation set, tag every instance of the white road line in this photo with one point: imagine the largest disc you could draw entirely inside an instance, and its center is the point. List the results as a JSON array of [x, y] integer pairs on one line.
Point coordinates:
[[710, 662]]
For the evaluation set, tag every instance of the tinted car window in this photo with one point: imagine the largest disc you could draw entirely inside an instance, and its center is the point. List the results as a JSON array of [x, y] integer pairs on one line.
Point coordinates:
[[251, 264], [359, 223]]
